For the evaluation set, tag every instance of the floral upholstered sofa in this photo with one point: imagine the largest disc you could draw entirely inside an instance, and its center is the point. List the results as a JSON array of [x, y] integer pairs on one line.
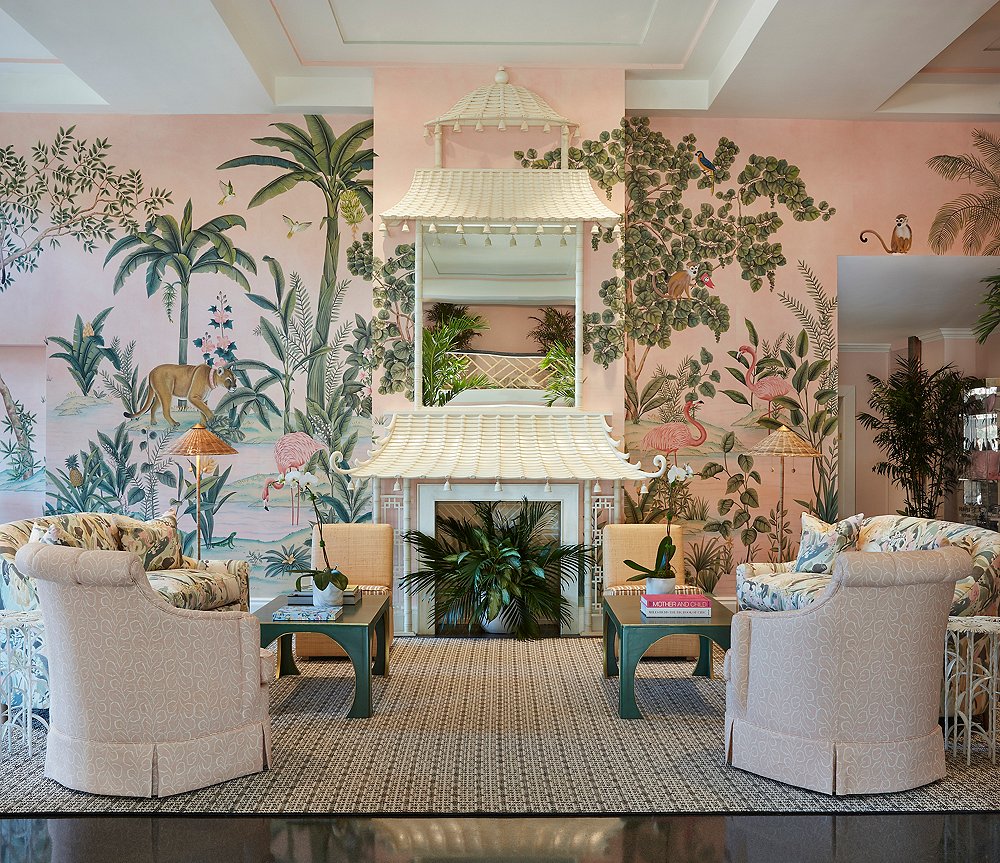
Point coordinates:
[[778, 587], [216, 585]]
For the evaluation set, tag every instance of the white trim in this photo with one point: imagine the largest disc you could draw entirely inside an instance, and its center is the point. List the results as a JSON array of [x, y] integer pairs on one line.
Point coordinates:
[[566, 494], [946, 333], [864, 347], [847, 449]]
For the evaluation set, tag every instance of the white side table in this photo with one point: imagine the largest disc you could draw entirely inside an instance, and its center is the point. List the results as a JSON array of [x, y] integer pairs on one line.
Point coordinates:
[[22, 643], [971, 664]]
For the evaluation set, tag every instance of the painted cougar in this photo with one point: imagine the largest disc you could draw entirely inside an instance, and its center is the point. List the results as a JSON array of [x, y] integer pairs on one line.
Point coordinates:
[[186, 382]]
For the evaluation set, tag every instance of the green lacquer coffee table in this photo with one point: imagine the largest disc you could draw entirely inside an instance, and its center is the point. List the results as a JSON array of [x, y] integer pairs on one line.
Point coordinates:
[[352, 631], [635, 633]]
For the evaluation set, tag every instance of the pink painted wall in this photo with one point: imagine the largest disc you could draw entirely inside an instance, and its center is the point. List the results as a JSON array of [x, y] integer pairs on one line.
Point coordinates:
[[509, 328]]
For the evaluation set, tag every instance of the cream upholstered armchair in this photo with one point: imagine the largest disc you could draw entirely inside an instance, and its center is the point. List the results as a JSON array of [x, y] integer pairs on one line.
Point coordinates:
[[146, 699], [842, 696], [639, 542], [363, 552]]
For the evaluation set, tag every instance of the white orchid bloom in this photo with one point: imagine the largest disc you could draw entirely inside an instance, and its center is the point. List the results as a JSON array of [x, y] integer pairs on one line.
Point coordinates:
[[293, 476], [689, 471], [676, 474], [308, 480]]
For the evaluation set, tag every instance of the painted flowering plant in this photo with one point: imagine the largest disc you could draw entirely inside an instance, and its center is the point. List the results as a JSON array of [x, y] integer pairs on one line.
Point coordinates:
[[322, 578], [217, 346], [678, 492]]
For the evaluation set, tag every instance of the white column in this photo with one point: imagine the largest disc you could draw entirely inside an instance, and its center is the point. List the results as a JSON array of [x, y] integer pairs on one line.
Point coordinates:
[[376, 500], [564, 142], [588, 540], [617, 512], [418, 316], [438, 147], [578, 375], [404, 528]]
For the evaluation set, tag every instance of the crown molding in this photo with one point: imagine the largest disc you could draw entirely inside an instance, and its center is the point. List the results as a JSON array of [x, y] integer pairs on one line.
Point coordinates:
[[946, 333], [864, 347]]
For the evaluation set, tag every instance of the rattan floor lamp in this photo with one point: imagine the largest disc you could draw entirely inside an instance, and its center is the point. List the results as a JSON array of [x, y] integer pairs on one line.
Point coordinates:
[[784, 443], [198, 441]]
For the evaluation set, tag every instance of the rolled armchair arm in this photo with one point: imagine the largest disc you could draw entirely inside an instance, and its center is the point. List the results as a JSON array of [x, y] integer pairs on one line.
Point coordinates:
[[736, 666], [749, 570], [239, 569]]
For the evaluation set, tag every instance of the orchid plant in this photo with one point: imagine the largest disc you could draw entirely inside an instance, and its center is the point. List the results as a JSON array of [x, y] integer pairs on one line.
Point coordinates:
[[678, 493], [304, 482]]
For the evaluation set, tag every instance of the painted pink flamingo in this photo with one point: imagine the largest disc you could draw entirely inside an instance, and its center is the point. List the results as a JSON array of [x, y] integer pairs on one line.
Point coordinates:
[[291, 452], [670, 437], [767, 389]]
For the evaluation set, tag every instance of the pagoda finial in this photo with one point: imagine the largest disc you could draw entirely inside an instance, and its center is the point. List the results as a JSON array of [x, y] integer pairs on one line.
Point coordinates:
[[501, 76]]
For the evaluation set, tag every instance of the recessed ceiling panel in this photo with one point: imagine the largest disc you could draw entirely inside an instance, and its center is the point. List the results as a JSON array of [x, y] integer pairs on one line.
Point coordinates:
[[556, 22], [653, 32], [16, 43]]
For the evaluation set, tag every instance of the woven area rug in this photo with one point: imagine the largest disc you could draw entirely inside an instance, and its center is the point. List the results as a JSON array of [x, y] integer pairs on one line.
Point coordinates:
[[497, 726]]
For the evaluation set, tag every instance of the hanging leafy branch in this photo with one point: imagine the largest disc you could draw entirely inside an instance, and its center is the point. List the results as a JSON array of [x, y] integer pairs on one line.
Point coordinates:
[[393, 302], [663, 236], [63, 189]]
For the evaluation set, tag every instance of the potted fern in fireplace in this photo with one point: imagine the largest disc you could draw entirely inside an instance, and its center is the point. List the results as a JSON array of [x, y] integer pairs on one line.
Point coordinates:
[[503, 572]]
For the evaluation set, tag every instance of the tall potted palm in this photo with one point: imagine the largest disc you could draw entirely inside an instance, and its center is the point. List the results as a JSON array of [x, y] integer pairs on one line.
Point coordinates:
[[185, 250], [918, 417], [499, 571]]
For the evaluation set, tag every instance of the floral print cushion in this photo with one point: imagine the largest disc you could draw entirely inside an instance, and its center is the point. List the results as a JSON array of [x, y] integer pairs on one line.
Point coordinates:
[[198, 589], [157, 542], [780, 591], [822, 542], [51, 534]]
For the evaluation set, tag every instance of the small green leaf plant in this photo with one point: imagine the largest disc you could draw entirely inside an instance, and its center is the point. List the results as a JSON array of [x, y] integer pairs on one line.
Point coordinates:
[[737, 510], [86, 351], [321, 578], [677, 496]]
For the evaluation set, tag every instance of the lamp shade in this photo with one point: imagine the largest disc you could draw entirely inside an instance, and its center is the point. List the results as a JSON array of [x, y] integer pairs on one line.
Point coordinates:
[[784, 443], [198, 440]]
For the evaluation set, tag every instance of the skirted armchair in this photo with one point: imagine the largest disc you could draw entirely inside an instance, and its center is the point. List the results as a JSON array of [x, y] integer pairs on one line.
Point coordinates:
[[842, 696], [146, 699]]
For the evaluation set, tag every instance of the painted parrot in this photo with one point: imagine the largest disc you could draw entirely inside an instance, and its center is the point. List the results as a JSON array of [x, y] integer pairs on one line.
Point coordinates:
[[707, 167]]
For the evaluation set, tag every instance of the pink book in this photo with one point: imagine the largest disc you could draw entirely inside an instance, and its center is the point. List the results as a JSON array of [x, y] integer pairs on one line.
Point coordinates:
[[675, 600]]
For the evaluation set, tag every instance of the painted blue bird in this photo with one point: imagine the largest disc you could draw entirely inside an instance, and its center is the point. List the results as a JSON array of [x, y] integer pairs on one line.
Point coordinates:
[[707, 167]]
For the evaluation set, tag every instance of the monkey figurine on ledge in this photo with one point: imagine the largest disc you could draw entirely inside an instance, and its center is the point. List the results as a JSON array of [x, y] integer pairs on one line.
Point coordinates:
[[900, 240]]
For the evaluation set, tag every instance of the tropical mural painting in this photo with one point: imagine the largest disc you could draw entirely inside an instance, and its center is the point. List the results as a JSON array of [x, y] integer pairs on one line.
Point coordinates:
[[701, 232], [208, 313]]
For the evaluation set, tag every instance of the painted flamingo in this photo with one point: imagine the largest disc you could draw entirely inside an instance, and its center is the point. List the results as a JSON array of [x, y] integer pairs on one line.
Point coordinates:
[[670, 437], [767, 389], [291, 452]]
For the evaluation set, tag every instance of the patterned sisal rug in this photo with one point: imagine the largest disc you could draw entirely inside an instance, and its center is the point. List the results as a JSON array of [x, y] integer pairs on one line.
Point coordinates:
[[497, 726]]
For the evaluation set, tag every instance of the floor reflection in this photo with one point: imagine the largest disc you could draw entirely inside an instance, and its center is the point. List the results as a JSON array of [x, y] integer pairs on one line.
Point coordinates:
[[906, 838]]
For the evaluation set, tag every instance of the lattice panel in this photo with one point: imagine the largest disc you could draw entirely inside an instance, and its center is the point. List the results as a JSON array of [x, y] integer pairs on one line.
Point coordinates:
[[508, 372], [602, 511], [392, 514]]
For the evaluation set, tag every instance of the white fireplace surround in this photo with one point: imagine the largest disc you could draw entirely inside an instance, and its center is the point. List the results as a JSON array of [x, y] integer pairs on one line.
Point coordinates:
[[567, 495]]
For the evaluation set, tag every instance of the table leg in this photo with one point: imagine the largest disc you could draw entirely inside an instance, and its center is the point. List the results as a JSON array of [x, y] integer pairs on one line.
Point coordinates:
[[358, 648], [381, 646], [632, 648], [704, 666], [286, 659], [610, 659]]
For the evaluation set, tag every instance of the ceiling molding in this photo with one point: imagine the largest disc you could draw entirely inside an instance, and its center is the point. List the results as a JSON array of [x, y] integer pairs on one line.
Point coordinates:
[[946, 333], [864, 348]]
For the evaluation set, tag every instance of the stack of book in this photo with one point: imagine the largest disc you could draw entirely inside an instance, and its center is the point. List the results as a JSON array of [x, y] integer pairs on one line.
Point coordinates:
[[307, 612], [675, 605]]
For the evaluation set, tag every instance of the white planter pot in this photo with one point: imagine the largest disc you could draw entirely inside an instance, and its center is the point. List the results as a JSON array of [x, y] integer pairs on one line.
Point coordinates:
[[660, 585], [327, 598], [497, 626]]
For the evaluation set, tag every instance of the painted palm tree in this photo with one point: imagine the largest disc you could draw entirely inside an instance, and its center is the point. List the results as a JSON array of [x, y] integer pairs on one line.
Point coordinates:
[[976, 216], [333, 165], [186, 250]]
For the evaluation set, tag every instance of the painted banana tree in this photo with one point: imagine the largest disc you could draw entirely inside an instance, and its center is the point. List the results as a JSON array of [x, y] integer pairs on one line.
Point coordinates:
[[166, 245], [333, 164]]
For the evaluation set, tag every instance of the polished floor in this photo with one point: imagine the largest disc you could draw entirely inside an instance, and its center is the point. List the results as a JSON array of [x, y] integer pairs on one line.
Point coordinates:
[[903, 838]]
